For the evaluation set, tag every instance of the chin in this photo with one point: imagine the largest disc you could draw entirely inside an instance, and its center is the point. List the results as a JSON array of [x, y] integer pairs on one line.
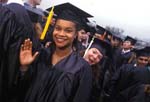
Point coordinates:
[[62, 46]]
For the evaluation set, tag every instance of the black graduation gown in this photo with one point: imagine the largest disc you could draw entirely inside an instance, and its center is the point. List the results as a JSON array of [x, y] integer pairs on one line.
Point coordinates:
[[143, 74], [121, 58], [70, 80], [15, 26], [124, 87], [79, 46]]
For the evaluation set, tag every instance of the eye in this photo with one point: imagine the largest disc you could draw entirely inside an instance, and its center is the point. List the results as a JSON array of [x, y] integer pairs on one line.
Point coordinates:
[[57, 28], [94, 51], [68, 30]]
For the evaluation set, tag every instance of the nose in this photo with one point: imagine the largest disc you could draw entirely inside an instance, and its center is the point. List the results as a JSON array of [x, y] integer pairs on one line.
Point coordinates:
[[95, 56], [61, 33]]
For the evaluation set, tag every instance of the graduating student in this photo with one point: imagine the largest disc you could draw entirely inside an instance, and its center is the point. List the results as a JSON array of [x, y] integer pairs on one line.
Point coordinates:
[[83, 36], [95, 56], [59, 74], [124, 55], [15, 26], [143, 73], [125, 85]]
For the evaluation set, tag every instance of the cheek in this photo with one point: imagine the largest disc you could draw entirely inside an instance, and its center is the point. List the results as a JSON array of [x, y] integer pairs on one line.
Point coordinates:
[[98, 60], [72, 37]]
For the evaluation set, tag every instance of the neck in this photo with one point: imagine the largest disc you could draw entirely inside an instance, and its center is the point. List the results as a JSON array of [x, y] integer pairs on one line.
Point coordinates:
[[125, 49], [63, 52]]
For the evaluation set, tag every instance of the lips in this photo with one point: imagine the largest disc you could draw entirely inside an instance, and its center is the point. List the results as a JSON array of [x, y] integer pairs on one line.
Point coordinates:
[[91, 60], [60, 39]]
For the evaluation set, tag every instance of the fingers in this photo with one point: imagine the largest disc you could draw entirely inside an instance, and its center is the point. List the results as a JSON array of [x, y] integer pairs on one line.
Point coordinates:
[[27, 45]]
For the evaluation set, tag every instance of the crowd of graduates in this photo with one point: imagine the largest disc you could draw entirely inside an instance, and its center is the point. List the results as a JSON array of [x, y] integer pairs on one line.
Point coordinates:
[[75, 62]]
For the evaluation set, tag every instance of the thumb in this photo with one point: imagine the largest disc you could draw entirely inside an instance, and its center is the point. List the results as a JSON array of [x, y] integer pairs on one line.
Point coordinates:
[[35, 55]]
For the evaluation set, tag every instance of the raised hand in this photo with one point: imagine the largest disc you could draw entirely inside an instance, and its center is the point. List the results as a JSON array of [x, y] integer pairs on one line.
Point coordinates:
[[26, 57]]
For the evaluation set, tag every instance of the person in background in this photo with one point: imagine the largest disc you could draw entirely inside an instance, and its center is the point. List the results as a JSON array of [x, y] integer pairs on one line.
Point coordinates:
[[15, 26], [95, 56], [124, 54], [33, 3], [83, 37], [125, 85], [143, 73], [3, 2]]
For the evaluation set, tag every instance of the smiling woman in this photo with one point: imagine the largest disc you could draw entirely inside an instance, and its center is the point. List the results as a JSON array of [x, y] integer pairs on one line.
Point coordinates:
[[60, 74]]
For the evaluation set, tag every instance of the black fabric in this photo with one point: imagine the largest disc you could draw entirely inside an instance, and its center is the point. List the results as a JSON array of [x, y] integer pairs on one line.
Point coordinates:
[[70, 80], [70, 12], [15, 26], [143, 75], [132, 40], [120, 58], [125, 87]]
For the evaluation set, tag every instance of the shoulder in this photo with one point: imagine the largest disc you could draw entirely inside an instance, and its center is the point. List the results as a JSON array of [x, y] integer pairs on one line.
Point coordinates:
[[6, 13], [74, 64]]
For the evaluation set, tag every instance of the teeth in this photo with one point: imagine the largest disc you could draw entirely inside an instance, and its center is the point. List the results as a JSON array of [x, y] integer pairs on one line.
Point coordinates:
[[60, 39]]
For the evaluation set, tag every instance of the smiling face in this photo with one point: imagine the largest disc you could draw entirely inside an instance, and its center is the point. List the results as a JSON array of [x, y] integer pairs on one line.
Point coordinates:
[[64, 33], [93, 56], [82, 35], [142, 60]]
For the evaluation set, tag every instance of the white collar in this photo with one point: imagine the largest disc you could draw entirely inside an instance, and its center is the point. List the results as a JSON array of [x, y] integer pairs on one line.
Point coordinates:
[[135, 65], [125, 51], [15, 1]]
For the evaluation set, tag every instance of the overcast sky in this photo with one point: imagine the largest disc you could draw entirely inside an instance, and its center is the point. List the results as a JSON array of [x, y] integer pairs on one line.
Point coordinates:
[[133, 16]]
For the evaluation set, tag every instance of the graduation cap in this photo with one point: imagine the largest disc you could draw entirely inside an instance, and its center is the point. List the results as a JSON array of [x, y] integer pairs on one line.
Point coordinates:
[[84, 25], [67, 11], [100, 45], [132, 40], [34, 13], [118, 37], [100, 30], [141, 51]]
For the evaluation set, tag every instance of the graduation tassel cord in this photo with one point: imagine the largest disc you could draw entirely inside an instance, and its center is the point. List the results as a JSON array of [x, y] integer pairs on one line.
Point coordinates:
[[51, 13], [89, 46]]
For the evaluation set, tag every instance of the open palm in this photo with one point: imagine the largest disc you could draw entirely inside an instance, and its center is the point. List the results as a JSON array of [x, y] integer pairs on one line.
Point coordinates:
[[26, 56]]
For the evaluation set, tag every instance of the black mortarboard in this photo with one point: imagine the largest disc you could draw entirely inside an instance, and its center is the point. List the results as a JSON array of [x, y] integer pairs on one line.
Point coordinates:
[[70, 12], [34, 13], [84, 25], [118, 37], [100, 30], [102, 46], [132, 40], [141, 51]]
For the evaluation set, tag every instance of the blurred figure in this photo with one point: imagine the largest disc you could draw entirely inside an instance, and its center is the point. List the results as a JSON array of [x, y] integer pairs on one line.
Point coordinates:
[[124, 55], [3, 2], [15, 26], [33, 3], [83, 37]]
